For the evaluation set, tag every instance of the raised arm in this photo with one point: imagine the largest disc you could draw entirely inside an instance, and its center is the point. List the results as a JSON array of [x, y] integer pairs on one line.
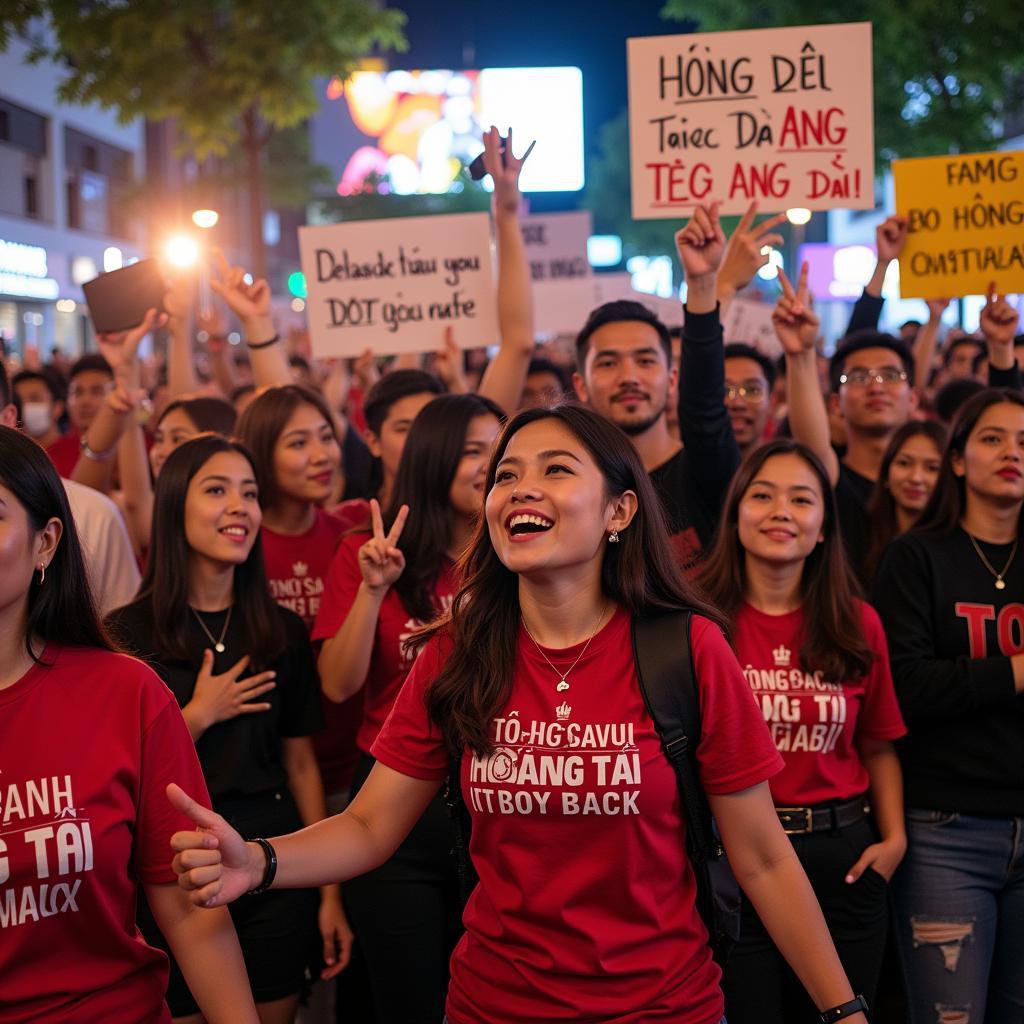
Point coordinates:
[[999, 324], [181, 365], [504, 379], [703, 418], [796, 327], [251, 304], [890, 238], [927, 342], [743, 256]]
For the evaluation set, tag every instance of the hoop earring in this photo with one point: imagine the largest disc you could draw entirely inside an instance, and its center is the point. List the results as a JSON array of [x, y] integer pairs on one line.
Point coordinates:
[[613, 537], [42, 573]]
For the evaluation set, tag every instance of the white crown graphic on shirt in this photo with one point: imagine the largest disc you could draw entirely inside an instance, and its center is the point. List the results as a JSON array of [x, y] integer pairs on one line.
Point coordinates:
[[300, 569], [781, 654], [563, 711]]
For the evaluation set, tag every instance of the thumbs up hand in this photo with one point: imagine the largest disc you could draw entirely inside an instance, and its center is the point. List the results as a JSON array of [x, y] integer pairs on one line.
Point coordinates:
[[214, 864]]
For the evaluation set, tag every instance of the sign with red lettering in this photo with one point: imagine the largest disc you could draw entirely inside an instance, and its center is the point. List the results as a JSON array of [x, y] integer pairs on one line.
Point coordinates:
[[780, 115]]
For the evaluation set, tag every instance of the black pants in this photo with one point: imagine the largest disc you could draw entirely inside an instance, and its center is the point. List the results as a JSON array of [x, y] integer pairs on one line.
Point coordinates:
[[407, 916], [759, 986]]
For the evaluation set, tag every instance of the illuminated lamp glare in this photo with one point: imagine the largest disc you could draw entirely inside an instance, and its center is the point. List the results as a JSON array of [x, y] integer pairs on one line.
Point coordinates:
[[113, 258], [205, 218], [181, 251], [770, 271], [297, 284], [298, 305], [798, 215], [66, 305]]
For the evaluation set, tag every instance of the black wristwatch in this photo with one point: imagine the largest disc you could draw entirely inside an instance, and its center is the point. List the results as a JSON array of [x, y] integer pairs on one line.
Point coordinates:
[[858, 1004]]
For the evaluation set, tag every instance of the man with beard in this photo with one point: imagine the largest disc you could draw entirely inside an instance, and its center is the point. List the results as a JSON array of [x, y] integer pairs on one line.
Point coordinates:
[[624, 359]]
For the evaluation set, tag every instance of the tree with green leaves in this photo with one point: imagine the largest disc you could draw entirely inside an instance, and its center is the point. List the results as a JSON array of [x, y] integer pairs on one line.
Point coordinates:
[[229, 72]]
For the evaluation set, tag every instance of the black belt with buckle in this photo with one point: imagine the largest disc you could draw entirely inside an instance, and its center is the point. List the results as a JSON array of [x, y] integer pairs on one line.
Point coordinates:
[[799, 821]]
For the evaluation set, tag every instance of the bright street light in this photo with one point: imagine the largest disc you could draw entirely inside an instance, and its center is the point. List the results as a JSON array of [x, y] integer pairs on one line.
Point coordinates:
[[205, 218], [798, 215], [181, 251]]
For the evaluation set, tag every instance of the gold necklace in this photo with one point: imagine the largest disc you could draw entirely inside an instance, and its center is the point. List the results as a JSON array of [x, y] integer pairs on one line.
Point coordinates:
[[1000, 582], [218, 644], [562, 676]]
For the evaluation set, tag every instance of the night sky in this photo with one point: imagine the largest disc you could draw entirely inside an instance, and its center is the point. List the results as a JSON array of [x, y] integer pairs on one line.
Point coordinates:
[[591, 36]]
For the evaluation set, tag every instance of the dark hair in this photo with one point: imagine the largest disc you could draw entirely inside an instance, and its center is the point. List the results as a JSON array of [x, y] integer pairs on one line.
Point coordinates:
[[393, 387], [483, 623], [881, 506], [46, 380], [620, 311], [165, 585], [980, 358], [1018, 340], [91, 361], [860, 340], [910, 323], [947, 352], [242, 389], [62, 609], [261, 425], [740, 350], [6, 394], [208, 414], [541, 365], [948, 502], [299, 362], [953, 395], [430, 459], [833, 632]]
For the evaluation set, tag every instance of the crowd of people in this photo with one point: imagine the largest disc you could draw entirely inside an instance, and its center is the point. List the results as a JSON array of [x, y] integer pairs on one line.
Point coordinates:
[[296, 625]]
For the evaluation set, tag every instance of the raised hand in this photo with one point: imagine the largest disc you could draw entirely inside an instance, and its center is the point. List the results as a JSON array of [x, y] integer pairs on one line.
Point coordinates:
[[796, 325], [247, 301], [213, 322], [890, 238], [999, 319], [365, 369], [213, 863], [217, 698], [120, 348], [449, 364], [936, 307], [701, 244], [743, 257], [505, 176], [380, 561], [178, 298]]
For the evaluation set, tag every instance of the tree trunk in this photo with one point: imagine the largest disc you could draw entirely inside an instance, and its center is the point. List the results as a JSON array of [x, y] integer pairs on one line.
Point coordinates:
[[253, 141]]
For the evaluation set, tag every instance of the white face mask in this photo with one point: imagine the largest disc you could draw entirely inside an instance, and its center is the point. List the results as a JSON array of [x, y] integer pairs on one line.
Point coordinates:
[[36, 418]]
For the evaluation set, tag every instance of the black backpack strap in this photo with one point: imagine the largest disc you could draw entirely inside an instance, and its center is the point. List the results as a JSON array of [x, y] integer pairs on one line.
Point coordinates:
[[664, 664]]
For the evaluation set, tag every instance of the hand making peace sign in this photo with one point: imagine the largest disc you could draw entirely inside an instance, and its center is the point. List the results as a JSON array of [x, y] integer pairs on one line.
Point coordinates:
[[795, 322], [380, 561]]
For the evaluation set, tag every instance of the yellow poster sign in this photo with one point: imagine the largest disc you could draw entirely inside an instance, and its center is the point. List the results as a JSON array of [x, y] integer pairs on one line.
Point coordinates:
[[966, 216]]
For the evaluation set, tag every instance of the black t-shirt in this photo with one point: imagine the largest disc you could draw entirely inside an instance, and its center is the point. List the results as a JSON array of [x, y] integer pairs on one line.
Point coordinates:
[[853, 491], [241, 756], [951, 633]]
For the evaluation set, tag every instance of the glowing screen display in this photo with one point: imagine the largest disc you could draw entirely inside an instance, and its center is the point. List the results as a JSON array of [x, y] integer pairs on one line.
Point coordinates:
[[419, 128]]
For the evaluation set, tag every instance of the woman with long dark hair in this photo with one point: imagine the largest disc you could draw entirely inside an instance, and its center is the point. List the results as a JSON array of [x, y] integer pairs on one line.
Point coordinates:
[[816, 661], [585, 909], [89, 740], [406, 912], [242, 670], [949, 593], [906, 479]]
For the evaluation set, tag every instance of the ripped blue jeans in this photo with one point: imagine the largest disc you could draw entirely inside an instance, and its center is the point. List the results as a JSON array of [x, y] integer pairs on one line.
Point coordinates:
[[959, 907]]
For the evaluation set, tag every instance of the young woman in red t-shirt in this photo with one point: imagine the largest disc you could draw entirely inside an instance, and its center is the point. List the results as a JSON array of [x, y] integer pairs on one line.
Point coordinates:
[[585, 910], [815, 658], [88, 741], [406, 913]]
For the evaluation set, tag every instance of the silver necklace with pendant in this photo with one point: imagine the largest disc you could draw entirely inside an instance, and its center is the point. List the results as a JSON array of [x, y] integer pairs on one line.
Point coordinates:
[[218, 644], [563, 676]]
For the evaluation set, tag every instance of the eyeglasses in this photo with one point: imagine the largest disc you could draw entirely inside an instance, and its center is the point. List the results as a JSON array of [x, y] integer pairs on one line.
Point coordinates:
[[751, 392], [861, 378]]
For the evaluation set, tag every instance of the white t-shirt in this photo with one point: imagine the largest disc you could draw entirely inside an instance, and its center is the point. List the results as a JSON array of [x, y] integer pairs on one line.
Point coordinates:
[[113, 572]]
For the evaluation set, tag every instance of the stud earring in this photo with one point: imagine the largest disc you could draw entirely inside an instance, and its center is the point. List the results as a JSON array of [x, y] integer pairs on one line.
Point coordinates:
[[613, 537]]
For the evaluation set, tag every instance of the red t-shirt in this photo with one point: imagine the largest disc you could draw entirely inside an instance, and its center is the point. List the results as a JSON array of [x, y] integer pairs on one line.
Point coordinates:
[[585, 909], [389, 663], [64, 453], [352, 514], [815, 722], [88, 744], [296, 567]]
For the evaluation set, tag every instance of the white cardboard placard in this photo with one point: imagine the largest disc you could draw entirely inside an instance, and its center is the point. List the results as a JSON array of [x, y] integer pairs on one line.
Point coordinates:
[[751, 322], [395, 285], [556, 245], [780, 115]]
